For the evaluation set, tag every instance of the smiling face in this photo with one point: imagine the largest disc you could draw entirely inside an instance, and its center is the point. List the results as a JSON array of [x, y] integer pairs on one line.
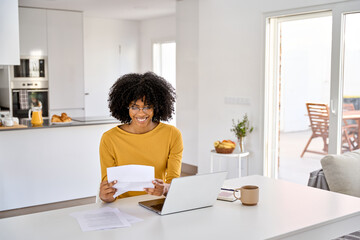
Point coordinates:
[[141, 115]]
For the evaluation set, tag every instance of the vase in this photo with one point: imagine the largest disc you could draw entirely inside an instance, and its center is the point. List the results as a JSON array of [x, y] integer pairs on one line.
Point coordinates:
[[241, 144]]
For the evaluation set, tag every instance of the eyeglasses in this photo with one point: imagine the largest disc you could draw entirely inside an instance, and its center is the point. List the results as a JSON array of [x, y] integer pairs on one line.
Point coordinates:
[[145, 109]]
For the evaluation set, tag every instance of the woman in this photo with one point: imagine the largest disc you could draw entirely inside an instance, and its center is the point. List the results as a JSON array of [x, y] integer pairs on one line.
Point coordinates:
[[140, 102]]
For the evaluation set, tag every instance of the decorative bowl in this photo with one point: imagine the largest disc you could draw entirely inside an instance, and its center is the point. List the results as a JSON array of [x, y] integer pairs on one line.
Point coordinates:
[[224, 150]]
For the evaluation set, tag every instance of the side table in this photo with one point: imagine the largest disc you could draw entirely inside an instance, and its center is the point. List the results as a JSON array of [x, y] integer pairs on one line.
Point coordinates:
[[213, 154]]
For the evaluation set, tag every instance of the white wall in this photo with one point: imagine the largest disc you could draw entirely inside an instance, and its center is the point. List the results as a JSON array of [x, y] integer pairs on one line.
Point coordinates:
[[231, 40], [187, 82], [111, 49], [229, 49], [151, 31]]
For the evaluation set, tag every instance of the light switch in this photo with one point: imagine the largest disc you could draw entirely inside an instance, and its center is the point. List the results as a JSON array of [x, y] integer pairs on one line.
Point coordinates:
[[237, 100]]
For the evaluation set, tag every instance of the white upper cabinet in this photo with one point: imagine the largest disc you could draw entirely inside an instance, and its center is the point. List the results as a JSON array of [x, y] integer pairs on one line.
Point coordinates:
[[65, 60], [32, 32], [9, 32]]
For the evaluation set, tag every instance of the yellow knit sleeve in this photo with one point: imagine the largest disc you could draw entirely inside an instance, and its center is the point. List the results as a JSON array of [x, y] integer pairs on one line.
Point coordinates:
[[107, 158], [174, 162]]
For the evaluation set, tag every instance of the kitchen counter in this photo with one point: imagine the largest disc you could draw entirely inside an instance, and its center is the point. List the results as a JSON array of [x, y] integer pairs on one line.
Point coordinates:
[[81, 121], [58, 163]]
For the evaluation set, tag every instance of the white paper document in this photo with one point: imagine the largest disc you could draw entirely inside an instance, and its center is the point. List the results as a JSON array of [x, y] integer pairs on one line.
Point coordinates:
[[131, 178], [103, 218]]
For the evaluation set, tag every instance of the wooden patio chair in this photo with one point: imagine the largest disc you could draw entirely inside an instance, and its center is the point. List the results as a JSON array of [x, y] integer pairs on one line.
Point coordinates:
[[349, 107], [319, 122], [350, 138], [351, 129]]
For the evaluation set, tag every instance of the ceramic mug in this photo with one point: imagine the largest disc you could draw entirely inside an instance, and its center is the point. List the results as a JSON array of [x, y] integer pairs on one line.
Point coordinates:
[[249, 195]]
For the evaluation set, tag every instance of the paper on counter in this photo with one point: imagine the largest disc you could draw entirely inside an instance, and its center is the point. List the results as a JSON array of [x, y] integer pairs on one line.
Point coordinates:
[[131, 178], [102, 218], [130, 218]]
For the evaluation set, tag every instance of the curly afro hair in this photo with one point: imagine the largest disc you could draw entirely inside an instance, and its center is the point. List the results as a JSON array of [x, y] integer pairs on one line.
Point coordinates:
[[132, 87]]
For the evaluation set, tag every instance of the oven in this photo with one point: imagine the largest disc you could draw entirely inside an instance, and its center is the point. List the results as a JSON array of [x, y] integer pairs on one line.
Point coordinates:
[[25, 95]]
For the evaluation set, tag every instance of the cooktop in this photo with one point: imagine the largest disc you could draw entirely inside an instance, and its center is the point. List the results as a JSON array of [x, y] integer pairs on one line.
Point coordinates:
[[94, 119]]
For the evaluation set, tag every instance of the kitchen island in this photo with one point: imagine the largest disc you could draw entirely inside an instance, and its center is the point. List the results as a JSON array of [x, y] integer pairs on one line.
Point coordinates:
[[51, 163]]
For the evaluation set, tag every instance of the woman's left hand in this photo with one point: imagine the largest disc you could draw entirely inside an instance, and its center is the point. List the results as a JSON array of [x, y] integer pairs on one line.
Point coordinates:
[[160, 188]]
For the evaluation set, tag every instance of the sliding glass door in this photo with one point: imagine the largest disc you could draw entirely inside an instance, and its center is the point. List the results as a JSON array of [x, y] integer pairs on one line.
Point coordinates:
[[351, 76], [303, 68], [301, 76]]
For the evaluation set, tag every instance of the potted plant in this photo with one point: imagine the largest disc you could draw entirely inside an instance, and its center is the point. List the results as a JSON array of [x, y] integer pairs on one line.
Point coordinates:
[[241, 130]]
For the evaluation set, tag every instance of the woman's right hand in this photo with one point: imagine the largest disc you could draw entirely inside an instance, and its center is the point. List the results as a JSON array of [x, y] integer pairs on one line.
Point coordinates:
[[107, 191]]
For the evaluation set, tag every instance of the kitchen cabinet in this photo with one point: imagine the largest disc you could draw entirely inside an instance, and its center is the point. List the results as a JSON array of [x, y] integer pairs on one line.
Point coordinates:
[[58, 35], [9, 32], [65, 62], [33, 36]]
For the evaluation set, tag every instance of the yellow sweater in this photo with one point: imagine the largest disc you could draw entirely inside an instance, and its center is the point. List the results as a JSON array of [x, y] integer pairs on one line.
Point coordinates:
[[162, 148]]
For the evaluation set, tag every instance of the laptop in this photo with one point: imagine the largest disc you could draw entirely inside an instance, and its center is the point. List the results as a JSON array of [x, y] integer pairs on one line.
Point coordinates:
[[188, 193]]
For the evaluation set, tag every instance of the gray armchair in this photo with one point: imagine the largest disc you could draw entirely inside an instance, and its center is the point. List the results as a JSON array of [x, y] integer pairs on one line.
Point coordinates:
[[339, 173]]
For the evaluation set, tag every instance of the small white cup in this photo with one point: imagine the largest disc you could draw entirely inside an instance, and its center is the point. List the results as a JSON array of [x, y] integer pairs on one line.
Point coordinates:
[[15, 120], [8, 122]]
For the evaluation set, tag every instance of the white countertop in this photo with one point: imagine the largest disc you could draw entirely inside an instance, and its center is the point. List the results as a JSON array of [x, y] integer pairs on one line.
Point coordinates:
[[285, 211]]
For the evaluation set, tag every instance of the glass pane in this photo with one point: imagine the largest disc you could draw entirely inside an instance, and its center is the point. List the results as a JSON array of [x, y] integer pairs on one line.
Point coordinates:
[[168, 60], [164, 64], [22, 70], [351, 93], [304, 77], [157, 58]]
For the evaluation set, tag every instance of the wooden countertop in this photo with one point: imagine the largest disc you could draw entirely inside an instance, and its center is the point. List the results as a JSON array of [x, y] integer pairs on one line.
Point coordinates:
[[17, 126]]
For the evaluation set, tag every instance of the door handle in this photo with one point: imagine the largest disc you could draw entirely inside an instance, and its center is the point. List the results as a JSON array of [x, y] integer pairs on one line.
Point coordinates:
[[332, 108]]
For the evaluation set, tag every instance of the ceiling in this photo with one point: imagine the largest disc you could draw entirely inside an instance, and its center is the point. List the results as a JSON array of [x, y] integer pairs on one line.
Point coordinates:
[[120, 9]]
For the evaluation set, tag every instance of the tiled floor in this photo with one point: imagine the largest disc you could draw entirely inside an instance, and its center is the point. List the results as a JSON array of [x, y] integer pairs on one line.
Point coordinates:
[[292, 167]]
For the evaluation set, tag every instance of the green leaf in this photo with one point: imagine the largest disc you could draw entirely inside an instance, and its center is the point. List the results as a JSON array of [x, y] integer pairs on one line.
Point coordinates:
[[242, 128]]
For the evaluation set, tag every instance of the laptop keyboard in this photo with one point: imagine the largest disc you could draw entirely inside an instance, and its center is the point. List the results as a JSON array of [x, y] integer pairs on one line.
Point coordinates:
[[158, 206]]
